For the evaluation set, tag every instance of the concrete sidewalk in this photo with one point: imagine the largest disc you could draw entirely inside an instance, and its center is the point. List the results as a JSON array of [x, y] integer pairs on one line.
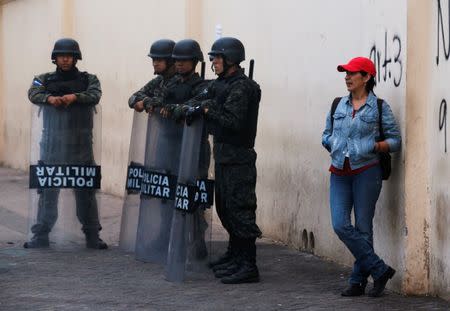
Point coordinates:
[[81, 279]]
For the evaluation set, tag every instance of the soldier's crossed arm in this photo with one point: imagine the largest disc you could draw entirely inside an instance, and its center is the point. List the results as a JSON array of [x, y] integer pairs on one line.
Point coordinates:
[[93, 93], [147, 91], [37, 93]]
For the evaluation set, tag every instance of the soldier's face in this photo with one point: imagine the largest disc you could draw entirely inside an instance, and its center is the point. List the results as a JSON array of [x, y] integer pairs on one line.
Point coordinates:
[[184, 66], [65, 62], [159, 65], [217, 63]]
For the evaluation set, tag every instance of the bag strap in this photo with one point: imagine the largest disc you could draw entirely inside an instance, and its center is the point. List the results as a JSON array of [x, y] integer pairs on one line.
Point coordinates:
[[380, 113], [333, 109]]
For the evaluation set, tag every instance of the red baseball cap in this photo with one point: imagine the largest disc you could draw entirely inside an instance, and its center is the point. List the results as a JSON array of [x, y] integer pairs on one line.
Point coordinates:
[[359, 64]]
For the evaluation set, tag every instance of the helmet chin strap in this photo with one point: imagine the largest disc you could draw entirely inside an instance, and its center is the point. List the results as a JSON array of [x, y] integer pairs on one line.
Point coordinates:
[[190, 72], [226, 67], [73, 65], [170, 68]]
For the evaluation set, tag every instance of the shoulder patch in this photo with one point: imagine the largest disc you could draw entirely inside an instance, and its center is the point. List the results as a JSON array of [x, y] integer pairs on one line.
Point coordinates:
[[37, 82]]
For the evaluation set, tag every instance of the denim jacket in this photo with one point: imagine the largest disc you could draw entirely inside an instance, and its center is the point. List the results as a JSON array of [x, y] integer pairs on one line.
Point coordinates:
[[355, 137]]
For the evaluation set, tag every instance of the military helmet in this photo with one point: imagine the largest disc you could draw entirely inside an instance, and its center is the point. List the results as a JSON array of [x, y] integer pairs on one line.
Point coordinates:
[[230, 48], [66, 46], [187, 49], [161, 49]]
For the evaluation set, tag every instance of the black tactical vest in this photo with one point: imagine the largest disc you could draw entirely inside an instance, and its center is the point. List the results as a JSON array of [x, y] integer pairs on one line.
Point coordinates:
[[182, 91], [63, 83], [246, 136]]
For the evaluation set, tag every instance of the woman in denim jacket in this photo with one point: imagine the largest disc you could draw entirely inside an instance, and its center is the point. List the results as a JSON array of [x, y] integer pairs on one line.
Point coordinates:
[[353, 142]]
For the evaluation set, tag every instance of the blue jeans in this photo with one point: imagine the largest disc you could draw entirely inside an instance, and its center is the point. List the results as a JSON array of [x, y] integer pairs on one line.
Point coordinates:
[[360, 192]]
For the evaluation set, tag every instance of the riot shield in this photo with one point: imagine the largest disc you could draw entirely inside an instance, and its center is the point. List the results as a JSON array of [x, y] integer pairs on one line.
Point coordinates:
[[162, 154], [191, 224], [130, 210], [64, 175]]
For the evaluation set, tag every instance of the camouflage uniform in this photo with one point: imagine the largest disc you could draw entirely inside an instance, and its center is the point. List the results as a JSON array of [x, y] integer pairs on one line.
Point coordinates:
[[66, 139], [232, 118], [153, 92]]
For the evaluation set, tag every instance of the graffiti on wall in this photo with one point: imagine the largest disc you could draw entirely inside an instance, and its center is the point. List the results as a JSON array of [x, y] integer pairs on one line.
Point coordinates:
[[441, 32], [443, 121], [441, 36], [387, 59]]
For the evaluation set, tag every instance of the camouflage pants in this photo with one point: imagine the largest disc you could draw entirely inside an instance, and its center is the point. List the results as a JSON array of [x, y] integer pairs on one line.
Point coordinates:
[[236, 199], [85, 199], [86, 205]]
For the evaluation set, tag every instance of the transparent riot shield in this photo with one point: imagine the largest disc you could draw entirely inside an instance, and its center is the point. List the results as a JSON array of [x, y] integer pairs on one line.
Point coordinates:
[[191, 225], [130, 210], [161, 162], [64, 175]]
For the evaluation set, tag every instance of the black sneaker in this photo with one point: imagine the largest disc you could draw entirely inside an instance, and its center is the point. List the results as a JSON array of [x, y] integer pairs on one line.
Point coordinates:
[[246, 274], [354, 290], [38, 241], [380, 283]]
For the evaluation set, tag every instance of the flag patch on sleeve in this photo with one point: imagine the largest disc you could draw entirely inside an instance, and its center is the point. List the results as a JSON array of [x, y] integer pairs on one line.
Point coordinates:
[[37, 82]]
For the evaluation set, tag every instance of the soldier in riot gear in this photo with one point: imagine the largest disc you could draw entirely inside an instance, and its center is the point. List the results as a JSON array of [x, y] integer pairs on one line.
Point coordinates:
[[187, 54], [162, 96], [144, 221], [230, 108], [150, 96], [67, 98]]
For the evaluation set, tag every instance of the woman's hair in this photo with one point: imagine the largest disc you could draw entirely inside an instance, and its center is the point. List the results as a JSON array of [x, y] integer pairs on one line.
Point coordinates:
[[371, 83]]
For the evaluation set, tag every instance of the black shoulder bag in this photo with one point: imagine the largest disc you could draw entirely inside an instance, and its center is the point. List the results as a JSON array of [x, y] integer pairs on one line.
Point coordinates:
[[385, 157]]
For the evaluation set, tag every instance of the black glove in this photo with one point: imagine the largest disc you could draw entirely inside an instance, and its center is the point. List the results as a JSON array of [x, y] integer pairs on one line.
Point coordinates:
[[179, 113], [193, 113]]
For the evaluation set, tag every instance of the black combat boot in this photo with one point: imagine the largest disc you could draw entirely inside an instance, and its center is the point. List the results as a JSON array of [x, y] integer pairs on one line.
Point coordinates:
[[354, 290], [93, 241], [247, 271], [223, 266], [38, 241], [380, 283], [225, 258], [232, 268]]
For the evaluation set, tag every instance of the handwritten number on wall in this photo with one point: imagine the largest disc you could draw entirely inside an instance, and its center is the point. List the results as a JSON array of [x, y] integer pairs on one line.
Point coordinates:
[[443, 121], [440, 28], [397, 59], [392, 69]]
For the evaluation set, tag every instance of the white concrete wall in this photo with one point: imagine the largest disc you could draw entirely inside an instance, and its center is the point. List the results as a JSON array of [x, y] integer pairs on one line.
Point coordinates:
[[26, 48]]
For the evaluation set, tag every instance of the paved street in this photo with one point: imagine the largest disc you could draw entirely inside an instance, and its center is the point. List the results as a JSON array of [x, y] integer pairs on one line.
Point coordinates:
[[80, 279]]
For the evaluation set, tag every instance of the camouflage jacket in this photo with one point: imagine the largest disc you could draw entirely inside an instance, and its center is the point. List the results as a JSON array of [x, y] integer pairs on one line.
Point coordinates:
[[38, 92], [153, 92], [233, 104]]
